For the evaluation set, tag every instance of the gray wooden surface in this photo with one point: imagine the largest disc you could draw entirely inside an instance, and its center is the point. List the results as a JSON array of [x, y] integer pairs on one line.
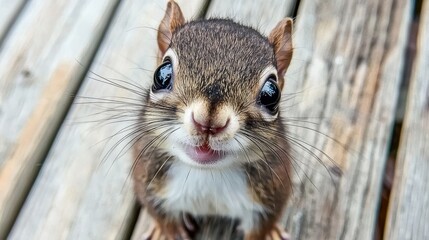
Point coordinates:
[[40, 67], [341, 92], [409, 202], [344, 82], [348, 67]]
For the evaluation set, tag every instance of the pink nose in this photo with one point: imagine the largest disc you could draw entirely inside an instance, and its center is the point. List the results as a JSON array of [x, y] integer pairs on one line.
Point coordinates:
[[205, 127]]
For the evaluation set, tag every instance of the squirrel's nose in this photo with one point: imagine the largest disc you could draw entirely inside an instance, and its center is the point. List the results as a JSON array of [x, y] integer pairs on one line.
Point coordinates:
[[203, 125]]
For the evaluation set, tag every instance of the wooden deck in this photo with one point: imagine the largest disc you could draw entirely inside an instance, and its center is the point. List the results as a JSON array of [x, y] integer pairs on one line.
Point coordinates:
[[58, 179]]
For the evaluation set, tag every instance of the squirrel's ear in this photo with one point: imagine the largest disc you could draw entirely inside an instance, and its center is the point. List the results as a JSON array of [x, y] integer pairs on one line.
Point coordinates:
[[172, 20], [281, 40]]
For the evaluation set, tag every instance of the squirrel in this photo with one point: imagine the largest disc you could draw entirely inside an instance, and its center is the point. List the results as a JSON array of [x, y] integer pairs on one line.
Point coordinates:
[[213, 143]]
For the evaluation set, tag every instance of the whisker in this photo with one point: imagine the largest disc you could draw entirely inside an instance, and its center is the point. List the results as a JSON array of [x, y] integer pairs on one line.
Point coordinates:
[[159, 170], [265, 161]]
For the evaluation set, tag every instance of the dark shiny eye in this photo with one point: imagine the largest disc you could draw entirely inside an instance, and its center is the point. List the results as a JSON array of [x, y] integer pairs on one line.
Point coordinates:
[[269, 96], [163, 77]]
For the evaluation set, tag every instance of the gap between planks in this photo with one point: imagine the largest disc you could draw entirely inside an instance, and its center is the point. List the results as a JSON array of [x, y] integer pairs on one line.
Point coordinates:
[[9, 13], [408, 213]]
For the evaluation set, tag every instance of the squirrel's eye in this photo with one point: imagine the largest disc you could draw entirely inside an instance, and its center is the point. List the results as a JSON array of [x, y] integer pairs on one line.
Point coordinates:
[[163, 77], [269, 96]]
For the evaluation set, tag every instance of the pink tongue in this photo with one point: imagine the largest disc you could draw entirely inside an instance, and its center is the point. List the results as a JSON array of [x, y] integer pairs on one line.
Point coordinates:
[[204, 149], [205, 154]]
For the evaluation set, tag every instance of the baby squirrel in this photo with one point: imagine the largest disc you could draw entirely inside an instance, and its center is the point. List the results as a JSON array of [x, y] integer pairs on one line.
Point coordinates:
[[213, 142]]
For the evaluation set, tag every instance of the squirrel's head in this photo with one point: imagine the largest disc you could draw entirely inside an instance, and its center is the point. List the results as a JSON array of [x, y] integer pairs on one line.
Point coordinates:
[[217, 89]]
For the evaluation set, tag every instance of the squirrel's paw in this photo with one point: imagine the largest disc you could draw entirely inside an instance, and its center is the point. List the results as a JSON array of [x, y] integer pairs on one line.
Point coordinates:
[[278, 233], [174, 232], [154, 232]]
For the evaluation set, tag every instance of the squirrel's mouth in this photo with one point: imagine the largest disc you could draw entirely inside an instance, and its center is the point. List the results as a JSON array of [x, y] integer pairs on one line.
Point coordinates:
[[204, 154]]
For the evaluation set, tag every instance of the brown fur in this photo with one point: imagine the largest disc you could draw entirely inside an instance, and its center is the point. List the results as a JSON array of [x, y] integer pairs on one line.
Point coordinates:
[[172, 20], [220, 62], [281, 39]]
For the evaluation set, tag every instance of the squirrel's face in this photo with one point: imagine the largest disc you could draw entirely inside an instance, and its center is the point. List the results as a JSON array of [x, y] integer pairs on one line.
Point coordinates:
[[219, 88]]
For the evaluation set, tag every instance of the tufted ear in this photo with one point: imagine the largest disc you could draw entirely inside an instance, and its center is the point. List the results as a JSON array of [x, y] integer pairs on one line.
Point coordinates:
[[172, 20], [281, 40]]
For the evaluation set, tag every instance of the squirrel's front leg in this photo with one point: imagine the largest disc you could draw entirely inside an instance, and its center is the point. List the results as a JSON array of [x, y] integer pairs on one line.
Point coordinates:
[[268, 229], [167, 227], [275, 233]]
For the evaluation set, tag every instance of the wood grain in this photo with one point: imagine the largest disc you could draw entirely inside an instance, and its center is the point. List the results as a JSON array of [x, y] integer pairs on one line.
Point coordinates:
[[9, 11], [82, 191], [262, 15], [342, 89], [408, 208], [41, 63]]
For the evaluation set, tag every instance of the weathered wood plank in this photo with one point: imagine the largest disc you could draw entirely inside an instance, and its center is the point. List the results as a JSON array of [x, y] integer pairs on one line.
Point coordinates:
[[408, 215], [344, 82], [41, 63], [8, 12], [77, 195]]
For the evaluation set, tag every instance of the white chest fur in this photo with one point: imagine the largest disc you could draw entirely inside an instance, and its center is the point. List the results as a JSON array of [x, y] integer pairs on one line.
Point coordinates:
[[222, 192]]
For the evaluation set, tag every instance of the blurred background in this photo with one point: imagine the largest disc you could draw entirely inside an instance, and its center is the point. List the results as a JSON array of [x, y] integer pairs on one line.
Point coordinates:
[[356, 102]]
